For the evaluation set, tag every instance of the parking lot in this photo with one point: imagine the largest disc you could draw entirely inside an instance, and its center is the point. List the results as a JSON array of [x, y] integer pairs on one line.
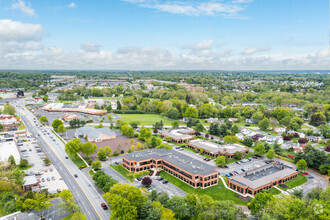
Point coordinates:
[[47, 175], [159, 186]]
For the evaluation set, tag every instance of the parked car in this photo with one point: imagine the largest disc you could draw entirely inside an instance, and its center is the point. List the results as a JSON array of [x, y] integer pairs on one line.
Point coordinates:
[[243, 169], [76, 175], [160, 179], [305, 173], [310, 177], [43, 179], [231, 174], [53, 178], [58, 190], [104, 206], [254, 157], [225, 166], [48, 179], [238, 162], [164, 181], [66, 157], [139, 178], [208, 159], [227, 175]]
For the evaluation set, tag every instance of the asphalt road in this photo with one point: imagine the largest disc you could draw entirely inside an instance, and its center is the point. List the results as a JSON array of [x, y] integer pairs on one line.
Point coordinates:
[[85, 194]]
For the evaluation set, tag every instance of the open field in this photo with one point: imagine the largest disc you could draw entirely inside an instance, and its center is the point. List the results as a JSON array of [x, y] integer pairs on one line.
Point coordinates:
[[217, 192], [145, 119]]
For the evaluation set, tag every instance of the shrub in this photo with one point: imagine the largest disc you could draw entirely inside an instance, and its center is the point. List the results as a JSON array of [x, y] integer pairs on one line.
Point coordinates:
[[327, 149], [302, 140], [146, 181], [122, 152], [115, 153], [207, 135]]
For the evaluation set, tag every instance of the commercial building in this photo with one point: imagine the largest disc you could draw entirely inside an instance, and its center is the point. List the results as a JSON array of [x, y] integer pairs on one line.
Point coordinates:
[[7, 148], [179, 135], [95, 134], [191, 171], [67, 117], [215, 150], [58, 107], [9, 122], [266, 177]]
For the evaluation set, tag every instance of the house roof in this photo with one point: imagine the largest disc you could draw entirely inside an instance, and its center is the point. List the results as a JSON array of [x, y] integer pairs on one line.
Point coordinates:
[[30, 180], [94, 133], [176, 158]]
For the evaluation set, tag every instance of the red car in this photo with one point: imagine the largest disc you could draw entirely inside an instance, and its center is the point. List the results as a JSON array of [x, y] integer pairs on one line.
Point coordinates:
[[58, 190], [104, 206], [46, 171], [208, 159], [50, 170], [305, 173]]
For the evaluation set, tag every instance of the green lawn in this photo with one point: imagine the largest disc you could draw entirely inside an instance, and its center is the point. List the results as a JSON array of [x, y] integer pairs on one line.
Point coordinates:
[[21, 126], [120, 169], [145, 119], [79, 162], [218, 192], [273, 191], [91, 173], [67, 102], [107, 98], [301, 179]]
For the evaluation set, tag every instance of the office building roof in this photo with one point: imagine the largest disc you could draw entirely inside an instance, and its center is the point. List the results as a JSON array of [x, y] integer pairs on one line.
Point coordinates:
[[215, 148], [178, 159]]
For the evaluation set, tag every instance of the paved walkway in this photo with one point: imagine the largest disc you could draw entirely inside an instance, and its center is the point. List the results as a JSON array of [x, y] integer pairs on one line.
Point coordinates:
[[279, 189]]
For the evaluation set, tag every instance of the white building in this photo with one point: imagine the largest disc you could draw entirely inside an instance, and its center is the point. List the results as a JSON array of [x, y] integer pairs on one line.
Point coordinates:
[[8, 148]]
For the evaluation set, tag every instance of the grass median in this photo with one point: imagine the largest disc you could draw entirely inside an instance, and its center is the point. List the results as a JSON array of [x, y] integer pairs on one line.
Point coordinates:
[[217, 192], [120, 169]]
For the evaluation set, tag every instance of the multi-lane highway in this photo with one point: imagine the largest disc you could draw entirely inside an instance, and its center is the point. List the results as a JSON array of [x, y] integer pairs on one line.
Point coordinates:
[[83, 190]]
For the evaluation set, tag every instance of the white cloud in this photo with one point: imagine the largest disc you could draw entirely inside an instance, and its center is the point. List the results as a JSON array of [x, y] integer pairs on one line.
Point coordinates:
[[253, 50], [90, 46], [241, 1], [17, 31], [193, 8], [72, 5], [202, 49], [25, 8]]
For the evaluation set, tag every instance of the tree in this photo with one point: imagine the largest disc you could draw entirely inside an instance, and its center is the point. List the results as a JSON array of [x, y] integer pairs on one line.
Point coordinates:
[[317, 119], [260, 201], [118, 105], [45, 98], [257, 116], [8, 109], [46, 161], [23, 163], [207, 111], [235, 129], [264, 124], [73, 147], [230, 139], [109, 116], [1, 127], [214, 129], [146, 181], [61, 129], [259, 150], [67, 203], [18, 176], [298, 193], [238, 155], [302, 140], [221, 161], [11, 161], [248, 142], [267, 147], [191, 112], [101, 154], [173, 113], [175, 124], [301, 165], [277, 148], [78, 216], [108, 150], [270, 154], [43, 119], [56, 123], [40, 202], [96, 164], [325, 130], [88, 148], [138, 146], [199, 127], [125, 201]]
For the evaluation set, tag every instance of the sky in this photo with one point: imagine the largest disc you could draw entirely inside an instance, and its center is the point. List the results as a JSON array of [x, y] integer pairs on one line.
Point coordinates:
[[165, 34]]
